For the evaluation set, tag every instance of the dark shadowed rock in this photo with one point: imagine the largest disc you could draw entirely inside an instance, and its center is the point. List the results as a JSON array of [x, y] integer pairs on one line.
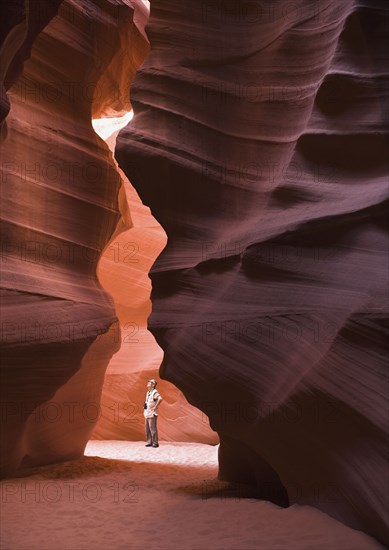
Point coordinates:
[[259, 145]]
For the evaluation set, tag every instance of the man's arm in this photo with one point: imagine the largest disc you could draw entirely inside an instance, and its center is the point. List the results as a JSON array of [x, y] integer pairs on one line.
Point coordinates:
[[158, 401]]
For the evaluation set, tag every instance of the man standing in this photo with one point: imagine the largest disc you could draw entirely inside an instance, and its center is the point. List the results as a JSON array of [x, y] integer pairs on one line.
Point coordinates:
[[153, 399]]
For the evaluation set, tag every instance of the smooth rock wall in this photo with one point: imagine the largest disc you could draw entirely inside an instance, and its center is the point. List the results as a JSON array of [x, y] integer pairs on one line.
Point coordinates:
[[77, 243], [59, 210], [258, 143]]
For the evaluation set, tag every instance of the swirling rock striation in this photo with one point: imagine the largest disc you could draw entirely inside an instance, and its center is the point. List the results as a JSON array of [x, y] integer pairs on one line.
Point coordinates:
[[68, 213], [259, 144], [60, 207]]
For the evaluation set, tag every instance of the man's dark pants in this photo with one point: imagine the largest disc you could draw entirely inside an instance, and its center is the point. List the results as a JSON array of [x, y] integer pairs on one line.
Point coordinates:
[[151, 431]]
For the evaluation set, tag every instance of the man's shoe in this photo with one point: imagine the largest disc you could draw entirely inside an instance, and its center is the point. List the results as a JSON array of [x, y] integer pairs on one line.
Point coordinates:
[[155, 445], [148, 445]]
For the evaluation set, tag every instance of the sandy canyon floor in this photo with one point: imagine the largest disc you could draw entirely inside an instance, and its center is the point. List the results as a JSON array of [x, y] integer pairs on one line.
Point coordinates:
[[121, 495]]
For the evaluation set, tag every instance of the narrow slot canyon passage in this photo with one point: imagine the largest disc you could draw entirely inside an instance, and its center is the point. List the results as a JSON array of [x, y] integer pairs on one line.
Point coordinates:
[[194, 192], [123, 272]]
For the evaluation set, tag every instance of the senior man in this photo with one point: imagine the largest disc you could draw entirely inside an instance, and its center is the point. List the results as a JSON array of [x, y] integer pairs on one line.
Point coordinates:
[[152, 402]]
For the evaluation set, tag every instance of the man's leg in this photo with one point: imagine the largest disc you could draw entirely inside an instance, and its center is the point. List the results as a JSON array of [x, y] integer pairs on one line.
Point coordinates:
[[154, 431], [148, 431]]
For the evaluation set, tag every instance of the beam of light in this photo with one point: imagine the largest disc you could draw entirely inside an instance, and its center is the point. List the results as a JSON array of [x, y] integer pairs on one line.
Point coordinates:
[[108, 128]]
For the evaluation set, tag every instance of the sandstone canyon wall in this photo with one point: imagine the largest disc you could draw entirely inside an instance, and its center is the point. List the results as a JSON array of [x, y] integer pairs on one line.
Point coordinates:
[[62, 201], [77, 243], [259, 143]]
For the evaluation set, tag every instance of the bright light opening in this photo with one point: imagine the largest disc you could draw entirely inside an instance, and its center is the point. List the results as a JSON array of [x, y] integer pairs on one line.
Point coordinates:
[[109, 128]]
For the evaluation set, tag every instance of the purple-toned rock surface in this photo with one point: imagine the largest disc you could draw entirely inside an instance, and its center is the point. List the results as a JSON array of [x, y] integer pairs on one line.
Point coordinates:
[[259, 144]]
